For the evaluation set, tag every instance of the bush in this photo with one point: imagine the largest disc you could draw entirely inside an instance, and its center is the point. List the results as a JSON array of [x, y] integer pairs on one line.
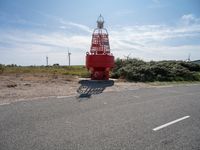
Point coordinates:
[[2, 67], [56, 65], [138, 70], [12, 65], [190, 66]]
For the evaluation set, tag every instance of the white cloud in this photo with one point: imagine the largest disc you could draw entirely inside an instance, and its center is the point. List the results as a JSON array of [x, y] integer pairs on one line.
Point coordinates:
[[188, 19], [147, 42], [83, 27], [63, 27], [35, 46], [150, 41], [66, 24], [151, 34]]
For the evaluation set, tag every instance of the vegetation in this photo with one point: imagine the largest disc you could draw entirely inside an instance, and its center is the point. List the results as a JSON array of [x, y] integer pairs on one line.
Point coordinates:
[[139, 70], [196, 62], [129, 69], [1, 68], [55, 69]]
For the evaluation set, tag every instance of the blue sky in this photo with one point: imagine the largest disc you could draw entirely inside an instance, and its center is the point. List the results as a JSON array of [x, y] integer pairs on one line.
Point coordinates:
[[30, 30]]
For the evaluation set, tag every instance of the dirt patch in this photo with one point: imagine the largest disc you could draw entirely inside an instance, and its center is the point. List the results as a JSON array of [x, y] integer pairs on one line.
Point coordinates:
[[14, 87]]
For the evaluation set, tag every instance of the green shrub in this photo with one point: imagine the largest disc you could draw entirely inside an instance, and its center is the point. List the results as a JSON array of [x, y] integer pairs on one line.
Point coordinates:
[[190, 66], [2, 67], [139, 70]]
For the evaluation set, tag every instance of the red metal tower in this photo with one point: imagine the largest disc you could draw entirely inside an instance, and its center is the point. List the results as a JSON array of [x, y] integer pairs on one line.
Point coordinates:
[[99, 61]]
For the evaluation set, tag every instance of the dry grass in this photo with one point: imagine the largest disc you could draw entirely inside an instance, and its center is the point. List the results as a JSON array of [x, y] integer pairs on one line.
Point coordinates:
[[80, 71]]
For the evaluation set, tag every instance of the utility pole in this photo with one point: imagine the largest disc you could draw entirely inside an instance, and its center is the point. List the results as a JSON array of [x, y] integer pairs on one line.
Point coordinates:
[[189, 57], [47, 62], [128, 56], [69, 57]]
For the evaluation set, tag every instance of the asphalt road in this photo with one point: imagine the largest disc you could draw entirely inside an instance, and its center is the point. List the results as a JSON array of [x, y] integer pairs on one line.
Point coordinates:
[[150, 118]]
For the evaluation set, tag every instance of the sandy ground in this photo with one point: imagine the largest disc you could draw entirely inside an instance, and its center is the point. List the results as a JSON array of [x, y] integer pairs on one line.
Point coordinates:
[[20, 87]]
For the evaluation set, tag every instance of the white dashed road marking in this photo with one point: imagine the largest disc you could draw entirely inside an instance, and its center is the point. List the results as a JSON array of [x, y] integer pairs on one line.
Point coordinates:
[[4, 104], [170, 123]]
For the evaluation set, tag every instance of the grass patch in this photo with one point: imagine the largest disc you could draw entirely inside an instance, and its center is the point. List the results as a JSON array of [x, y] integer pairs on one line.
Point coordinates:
[[80, 71]]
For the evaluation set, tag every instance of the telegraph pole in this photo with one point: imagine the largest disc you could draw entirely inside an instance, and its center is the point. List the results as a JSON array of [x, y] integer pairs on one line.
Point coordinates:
[[128, 56], [47, 62], [189, 57], [69, 57]]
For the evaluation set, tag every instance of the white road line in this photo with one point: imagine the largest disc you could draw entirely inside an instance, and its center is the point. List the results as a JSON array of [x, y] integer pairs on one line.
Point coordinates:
[[65, 96], [170, 123], [4, 104], [136, 96]]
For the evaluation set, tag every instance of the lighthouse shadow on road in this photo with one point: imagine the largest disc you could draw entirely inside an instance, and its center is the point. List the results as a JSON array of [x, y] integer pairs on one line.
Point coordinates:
[[92, 87]]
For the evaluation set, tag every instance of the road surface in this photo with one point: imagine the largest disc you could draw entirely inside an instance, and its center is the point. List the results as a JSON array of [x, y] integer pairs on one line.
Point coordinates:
[[148, 118]]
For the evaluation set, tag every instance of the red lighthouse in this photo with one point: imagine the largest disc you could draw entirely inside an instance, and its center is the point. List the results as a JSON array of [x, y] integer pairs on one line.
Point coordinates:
[[99, 61]]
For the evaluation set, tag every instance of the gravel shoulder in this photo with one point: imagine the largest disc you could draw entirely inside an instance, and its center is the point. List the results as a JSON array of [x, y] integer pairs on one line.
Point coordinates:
[[18, 87]]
